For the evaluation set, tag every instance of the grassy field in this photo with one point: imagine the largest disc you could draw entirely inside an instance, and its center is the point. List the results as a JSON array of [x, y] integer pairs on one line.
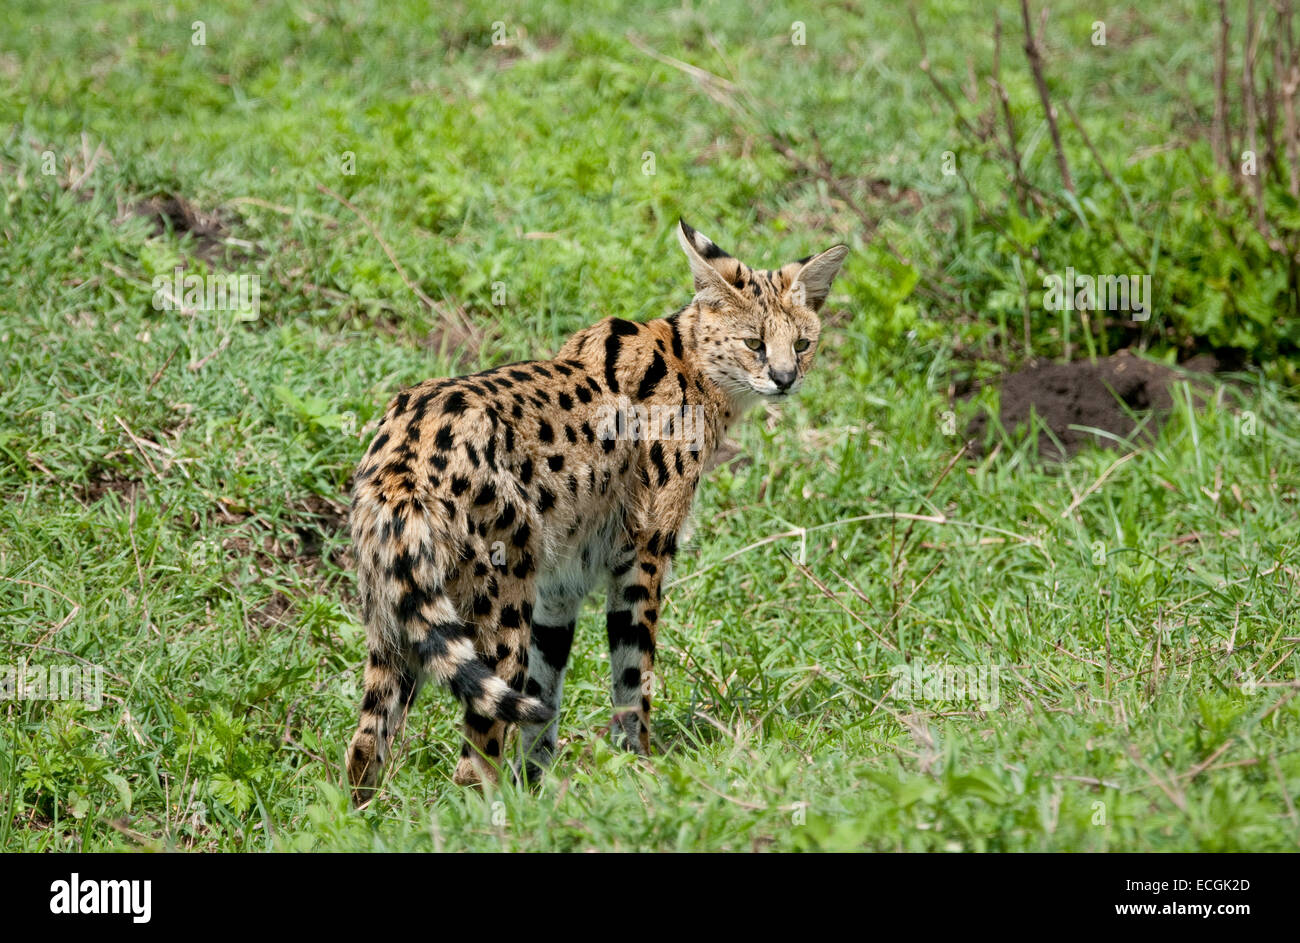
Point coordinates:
[[174, 481]]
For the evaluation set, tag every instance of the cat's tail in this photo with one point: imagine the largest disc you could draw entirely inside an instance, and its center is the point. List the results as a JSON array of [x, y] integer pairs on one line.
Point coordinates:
[[446, 652], [413, 633]]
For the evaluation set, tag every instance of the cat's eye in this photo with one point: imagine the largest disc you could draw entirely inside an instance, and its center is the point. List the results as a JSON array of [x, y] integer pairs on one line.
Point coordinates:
[[802, 344], [753, 343]]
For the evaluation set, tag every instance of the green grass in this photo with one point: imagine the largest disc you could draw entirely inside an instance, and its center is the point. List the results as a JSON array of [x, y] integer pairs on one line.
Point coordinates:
[[173, 482]]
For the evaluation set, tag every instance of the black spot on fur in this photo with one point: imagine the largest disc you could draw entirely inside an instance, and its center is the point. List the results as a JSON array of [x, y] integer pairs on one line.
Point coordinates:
[[657, 370], [612, 346], [506, 518], [657, 457], [618, 627], [677, 337], [554, 643]]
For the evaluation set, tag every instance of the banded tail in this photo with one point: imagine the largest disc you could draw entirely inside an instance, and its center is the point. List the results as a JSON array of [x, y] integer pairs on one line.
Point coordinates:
[[414, 634]]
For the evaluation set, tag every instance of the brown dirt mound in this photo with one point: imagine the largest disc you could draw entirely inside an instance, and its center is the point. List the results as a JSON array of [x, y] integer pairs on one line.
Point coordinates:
[[1113, 395], [169, 213]]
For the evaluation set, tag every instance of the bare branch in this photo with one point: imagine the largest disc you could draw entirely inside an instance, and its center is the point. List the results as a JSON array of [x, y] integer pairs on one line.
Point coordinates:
[[1005, 101], [1219, 131], [1252, 115], [1289, 78], [939, 86], [1097, 157], [1036, 66]]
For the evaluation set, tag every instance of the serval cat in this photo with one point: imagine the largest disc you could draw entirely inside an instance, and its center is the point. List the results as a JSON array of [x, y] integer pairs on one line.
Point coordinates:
[[489, 506]]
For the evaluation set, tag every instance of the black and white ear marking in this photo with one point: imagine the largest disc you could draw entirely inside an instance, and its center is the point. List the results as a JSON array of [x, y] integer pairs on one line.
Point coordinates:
[[813, 282], [704, 256], [694, 239]]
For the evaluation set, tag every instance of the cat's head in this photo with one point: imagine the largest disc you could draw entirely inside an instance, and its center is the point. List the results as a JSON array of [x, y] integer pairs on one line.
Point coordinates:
[[757, 329]]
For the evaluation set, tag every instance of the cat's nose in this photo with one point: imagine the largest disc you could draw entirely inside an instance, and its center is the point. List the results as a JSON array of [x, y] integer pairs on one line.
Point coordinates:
[[783, 379]]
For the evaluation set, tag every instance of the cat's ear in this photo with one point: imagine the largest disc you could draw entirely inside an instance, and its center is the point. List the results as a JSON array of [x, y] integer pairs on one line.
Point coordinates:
[[811, 281], [712, 268]]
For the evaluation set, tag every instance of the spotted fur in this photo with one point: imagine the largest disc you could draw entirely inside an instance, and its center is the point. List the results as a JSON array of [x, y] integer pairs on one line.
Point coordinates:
[[488, 507]]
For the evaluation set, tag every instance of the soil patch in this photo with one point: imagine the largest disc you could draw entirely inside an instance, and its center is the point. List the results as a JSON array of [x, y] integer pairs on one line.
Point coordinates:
[[126, 488], [1113, 395], [168, 213]]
